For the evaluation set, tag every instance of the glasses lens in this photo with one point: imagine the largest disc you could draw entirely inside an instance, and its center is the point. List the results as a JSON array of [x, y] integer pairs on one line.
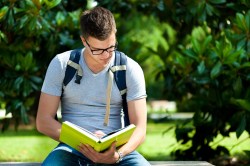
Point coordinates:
[[97, 52], [111, 49]]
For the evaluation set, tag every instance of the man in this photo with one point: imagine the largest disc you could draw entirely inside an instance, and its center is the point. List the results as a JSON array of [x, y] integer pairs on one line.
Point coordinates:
[[85, 104]]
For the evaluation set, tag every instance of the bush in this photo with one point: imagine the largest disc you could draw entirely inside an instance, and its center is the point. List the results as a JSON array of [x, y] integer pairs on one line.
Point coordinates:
[[197, 54], [31, 33], [193, 52]]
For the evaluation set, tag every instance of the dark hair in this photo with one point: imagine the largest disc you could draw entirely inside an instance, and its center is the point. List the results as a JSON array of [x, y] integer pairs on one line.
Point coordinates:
[[98, 23]]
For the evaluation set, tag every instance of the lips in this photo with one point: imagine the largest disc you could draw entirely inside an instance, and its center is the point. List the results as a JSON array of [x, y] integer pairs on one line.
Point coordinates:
[[106, 58]]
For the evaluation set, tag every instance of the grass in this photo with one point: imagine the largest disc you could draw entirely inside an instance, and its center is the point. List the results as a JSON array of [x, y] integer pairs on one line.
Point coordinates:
[[24, 145], [29, 145], [158, 145]]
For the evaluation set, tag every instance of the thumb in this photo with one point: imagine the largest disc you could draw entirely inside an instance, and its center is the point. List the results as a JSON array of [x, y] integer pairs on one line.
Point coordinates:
[[113, 146]]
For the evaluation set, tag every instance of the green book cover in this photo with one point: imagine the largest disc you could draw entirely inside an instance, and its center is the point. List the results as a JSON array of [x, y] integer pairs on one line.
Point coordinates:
[[73, 135]]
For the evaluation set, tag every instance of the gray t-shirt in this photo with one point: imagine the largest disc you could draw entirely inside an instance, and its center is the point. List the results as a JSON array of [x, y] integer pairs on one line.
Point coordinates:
[[85, 104]]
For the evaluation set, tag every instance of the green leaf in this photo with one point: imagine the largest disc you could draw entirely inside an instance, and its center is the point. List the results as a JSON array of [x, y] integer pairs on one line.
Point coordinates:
[[36, 79], [217, 1], [237, 86], [196, 46], [3, 36], [201, 68], [216, 70], [180, 60], [27, 60], [18, 82], [23, 22], [45, 24], [244, 104], [206, 42], [201, 80], [245, 65], [60, 18], [190, 53], [3, 11], [10, 18], [240, 20], [52, 3], [32, 24], [248, 20], [232, 57], [37, 3], [210, 9], [241, 128]]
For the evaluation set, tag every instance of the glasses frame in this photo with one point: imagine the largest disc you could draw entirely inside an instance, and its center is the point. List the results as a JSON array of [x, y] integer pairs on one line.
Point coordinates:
[[106, 49]]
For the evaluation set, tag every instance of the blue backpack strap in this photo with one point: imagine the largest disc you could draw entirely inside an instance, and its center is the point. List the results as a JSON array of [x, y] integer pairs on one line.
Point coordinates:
[[119, 70], [73, 67]]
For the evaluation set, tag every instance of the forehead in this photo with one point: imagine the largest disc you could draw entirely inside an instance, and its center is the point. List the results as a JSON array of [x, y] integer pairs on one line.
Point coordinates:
[[102, 44]]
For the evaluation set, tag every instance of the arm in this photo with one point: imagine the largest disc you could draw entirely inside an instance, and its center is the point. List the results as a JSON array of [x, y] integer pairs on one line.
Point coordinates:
[[137, 110], [45, 120]]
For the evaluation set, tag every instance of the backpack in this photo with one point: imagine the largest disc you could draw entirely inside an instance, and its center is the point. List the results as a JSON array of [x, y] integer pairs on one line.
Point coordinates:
[[119, 71]]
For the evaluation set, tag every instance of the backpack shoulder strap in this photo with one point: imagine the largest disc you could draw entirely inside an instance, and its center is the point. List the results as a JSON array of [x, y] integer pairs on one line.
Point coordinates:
[[73, 67], [119, 70]]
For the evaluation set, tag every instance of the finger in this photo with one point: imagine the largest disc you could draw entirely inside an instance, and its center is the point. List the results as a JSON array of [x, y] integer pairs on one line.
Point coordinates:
[[80, 146], [99, 133], [90, 149], [81, 149], [88, 152], [113, 146]]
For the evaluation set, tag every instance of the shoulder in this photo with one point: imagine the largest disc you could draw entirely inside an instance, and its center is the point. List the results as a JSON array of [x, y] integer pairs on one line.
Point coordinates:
[[60, 60], [131, 63], [63, 57]]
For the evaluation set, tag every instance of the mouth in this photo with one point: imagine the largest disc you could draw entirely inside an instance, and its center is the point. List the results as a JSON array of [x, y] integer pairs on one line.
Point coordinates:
[[107, 58]]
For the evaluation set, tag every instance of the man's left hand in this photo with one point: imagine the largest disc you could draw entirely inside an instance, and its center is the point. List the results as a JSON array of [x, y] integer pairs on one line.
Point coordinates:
[[109, 156]]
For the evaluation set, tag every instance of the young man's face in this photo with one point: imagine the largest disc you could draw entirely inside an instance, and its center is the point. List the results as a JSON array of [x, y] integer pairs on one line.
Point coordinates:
[[100, 51]]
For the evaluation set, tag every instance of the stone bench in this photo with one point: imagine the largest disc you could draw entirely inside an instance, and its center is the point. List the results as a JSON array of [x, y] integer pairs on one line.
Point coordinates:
[[156, 163]]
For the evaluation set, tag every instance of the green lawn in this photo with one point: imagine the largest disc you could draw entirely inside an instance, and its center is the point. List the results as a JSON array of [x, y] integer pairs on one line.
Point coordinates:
[[24, 146], [29, 145]]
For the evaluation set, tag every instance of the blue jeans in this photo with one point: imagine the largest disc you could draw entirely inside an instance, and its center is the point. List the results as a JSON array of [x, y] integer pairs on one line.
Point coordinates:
[[63, 155]]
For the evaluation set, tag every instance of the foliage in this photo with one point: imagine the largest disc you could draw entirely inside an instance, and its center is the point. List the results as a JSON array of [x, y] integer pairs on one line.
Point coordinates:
[[29, 38], [197, 54], [193, 52]]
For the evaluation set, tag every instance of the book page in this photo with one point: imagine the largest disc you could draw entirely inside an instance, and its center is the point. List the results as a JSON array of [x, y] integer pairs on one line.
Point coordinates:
[[87, 131]]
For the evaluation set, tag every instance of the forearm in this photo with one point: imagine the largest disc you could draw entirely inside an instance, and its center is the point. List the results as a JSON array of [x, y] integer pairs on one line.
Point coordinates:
[[49, 126], [135, 141], [138, 116], [45, 120]]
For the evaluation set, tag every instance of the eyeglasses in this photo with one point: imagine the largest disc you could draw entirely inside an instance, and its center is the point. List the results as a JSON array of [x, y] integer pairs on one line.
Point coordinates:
[[100, 51]]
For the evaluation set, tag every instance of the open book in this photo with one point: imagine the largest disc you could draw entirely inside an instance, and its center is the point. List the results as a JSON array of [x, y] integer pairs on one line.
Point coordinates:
[[73, 135]]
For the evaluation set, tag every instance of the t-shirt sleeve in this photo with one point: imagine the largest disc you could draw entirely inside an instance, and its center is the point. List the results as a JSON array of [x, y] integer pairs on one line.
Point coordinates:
[[136, 88], [53, 82]]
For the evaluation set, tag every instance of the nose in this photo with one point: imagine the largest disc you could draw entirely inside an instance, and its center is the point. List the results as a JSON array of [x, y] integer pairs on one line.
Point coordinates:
[[105, 54]]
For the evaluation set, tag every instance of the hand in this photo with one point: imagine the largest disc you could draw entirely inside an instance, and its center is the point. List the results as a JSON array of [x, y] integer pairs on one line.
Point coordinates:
[[110, 156], [99, 133]]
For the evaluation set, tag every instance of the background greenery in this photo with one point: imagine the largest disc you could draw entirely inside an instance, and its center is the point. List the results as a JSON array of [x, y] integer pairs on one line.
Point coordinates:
[[194, 52], [34, 147]]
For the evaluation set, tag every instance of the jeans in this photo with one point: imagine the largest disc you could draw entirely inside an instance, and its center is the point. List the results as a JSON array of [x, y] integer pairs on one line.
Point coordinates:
[[63, 155]]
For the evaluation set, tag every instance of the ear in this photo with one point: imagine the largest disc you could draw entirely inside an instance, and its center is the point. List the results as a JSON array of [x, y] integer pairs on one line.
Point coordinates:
[[83, 41]]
